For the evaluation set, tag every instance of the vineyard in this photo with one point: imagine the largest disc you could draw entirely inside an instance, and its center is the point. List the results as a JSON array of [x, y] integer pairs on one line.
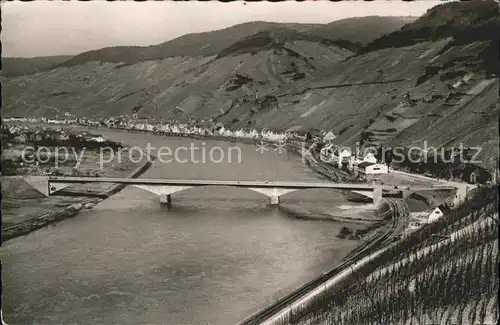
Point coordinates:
[[444, 273]]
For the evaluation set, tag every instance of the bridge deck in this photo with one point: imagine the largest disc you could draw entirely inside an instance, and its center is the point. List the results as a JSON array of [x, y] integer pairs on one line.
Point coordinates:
[[259, 184]]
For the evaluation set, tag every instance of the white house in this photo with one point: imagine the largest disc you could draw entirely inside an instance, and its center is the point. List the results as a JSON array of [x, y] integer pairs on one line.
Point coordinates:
[[329, 137], [327, 152], [360, 167], [333, 154], [370, 158], [98, 138], [344, 155], [377, 169], [438, 212]]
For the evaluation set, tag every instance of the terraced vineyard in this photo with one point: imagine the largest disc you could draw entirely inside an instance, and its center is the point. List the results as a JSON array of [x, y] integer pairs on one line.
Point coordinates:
[[433, 80], [445, 273]]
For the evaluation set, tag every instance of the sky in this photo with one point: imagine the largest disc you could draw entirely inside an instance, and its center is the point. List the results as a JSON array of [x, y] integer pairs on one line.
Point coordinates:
[[45, 28]]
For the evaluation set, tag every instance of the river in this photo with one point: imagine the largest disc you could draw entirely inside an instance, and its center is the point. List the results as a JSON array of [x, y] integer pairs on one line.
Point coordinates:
[[216, 257]]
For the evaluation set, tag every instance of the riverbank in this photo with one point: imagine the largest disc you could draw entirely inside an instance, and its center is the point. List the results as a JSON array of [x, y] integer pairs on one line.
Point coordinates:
[[21, 219], [15, 228], [113, 226], [77, 204], [312, 302], [131, 244]]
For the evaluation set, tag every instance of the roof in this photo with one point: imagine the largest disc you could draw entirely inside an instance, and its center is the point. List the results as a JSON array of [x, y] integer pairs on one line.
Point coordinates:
[[378, 165], [444, 208], [342, 150], [329, 135], [365, 164]]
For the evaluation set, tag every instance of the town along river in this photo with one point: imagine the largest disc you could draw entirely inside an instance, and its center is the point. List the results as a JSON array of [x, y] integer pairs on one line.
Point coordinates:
[[216, 257]]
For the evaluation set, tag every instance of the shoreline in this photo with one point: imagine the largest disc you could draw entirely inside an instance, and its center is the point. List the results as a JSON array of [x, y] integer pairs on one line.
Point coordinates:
[[31, 225], [71, 211]]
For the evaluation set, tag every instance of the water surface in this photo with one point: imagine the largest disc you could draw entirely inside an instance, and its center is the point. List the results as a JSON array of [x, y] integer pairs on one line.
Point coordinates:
[[218, 256]]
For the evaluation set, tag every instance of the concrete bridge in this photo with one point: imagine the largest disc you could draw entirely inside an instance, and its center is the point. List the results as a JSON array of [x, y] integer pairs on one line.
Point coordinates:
[[164, 188]]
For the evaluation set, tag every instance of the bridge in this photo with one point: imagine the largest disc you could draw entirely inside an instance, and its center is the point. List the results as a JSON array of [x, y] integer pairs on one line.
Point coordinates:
[[164, 188]]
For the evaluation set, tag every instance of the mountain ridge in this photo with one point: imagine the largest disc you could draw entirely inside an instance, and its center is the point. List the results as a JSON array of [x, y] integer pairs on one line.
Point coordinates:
[[443, 90], [213, 42]]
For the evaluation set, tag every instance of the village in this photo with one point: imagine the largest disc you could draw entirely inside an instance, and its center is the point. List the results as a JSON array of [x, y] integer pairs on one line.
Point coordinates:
[[359, 162], [366, 166], [22, 142]]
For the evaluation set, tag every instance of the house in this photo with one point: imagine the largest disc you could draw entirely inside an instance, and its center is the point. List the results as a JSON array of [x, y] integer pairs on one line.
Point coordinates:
[[344, 156], [344, 153], [360, 167], [438, 212], [22, 138], [376, 169], [328, 137], [38, 137], [333, 154], [370, 158], [62, 137], [327, 152], [93, 138]]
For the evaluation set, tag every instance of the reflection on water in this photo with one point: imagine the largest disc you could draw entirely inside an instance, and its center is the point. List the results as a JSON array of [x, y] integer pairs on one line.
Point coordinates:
[[219, 255]]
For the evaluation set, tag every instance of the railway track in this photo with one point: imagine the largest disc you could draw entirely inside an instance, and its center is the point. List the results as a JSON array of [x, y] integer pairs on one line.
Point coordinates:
[[397, 208]]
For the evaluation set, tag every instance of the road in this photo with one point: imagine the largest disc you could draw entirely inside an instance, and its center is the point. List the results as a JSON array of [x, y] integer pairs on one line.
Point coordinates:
[[362, 255], [453, 237], [129, 260]]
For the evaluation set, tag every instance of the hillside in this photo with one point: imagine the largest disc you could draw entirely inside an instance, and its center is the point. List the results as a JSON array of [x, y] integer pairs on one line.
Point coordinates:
[[23, 66], [191, 45], [276, 38], [348, 31], [444, 272], [176, 87], [466, 21], [361, 30], [439, 86]]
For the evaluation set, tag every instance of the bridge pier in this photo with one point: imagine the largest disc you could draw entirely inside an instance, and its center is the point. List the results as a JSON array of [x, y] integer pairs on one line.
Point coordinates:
[[274, 190], [377, 196], [166, 199], [274, 200]]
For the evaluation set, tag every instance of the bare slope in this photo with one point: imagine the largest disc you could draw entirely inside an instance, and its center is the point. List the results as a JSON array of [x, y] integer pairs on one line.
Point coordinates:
[[442, 89], [466, 21], [192, 45], [348, 31], [174, 87], [360, 29], [23, 66]]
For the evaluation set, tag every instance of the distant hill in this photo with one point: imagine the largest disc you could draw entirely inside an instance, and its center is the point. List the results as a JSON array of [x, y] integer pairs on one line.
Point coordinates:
[[360, 29], [346, 33], [276, 38], [466, 21], [191, 45], [231, 88], [434, 80], [12, 67], [463, 21]]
